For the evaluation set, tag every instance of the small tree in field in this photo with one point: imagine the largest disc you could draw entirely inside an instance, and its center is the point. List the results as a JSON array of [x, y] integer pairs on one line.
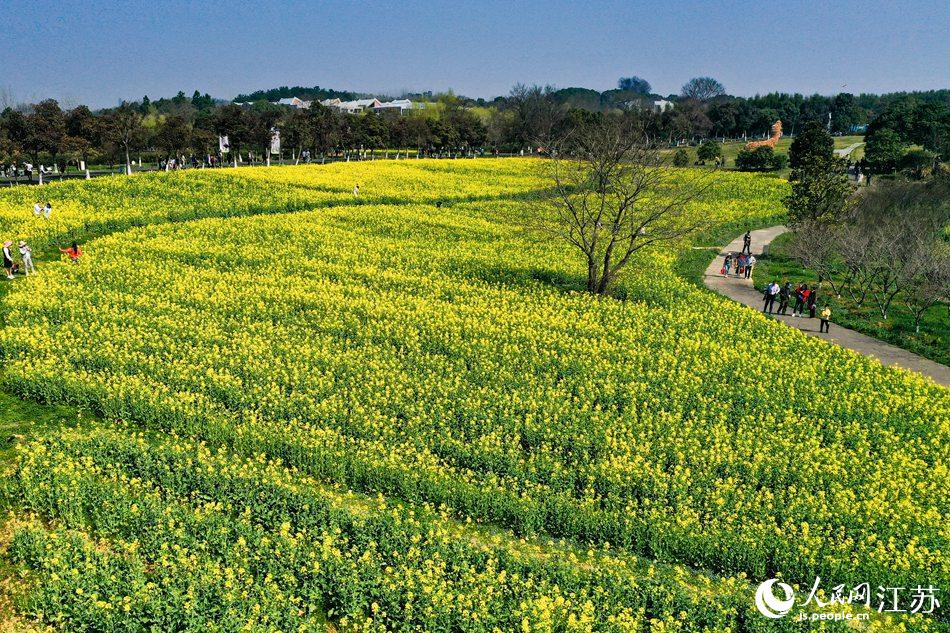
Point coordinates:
[[614, 195], [709, 150], [680, 158]]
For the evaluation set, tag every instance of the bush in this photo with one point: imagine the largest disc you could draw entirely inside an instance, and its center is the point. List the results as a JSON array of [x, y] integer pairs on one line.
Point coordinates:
[[760, 159], [709, 150], [681, 158]]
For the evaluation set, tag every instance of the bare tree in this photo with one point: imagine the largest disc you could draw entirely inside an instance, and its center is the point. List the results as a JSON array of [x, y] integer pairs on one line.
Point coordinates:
[[613, 196], [702, 89], [929, 283]]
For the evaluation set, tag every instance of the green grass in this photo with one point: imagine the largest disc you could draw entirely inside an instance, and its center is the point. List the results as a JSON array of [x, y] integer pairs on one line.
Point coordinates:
[[898, 329]]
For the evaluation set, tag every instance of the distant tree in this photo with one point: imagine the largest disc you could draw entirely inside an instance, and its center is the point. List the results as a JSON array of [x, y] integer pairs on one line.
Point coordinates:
[[123, 126], [634, 84], [814, 147], [760, 159], [173, 135], [883, 151], [680, 158], [709, 150], [613, 196], [535, 115], [46, 127], [83, 133], [232, 121], [145, 106], [820, 192], [702, 89], [845, 113]]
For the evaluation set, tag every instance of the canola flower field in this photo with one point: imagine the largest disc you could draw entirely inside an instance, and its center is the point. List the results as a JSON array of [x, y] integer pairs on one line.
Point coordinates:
[[380, 413]]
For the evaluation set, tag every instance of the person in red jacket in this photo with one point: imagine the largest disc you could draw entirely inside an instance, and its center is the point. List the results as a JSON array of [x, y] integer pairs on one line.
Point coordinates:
[[74, 252]]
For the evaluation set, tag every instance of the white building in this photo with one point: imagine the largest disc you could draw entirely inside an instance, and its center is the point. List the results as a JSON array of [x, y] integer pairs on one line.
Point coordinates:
[[294, 102], [354, 107], [399, 105], [662, 105]]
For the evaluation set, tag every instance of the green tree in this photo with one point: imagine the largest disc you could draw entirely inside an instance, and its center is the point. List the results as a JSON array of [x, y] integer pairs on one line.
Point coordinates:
[[758, 159], [883, 151], [709, 150], [814, 147], [634, 84], [681, 158]]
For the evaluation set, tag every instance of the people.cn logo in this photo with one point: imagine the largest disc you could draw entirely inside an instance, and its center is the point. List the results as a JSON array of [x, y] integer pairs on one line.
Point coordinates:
[[771, 606]]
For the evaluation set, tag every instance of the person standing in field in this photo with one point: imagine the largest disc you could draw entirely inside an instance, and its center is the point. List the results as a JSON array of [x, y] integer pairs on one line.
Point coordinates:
[[825, 319], [783, 296], [37, 209], [73, 251], [356, 191], [47, 210], [26, 254], [8, 259]]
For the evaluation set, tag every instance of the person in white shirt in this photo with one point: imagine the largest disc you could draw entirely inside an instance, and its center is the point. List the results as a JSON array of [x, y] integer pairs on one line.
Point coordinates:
[[47, 210], [356, 191], [27, 254], [37, 209]]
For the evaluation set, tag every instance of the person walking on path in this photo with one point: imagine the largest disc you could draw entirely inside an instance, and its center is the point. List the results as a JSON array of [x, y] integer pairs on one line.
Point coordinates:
[[771, 291], [26, 254], [800, 296], [73, 251], [8, 259], [749, 265], [783, 296], [741, 262], [727, 264], [825, 319], [747, 242], [812, 303]]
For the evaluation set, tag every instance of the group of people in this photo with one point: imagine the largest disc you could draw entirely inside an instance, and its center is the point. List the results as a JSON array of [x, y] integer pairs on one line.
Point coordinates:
[[26, 257], [40, 210], [742, 263], [805, 298]]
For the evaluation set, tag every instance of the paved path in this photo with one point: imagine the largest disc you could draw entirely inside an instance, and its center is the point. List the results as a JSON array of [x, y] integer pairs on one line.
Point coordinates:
[[844, 151], [741, 290]]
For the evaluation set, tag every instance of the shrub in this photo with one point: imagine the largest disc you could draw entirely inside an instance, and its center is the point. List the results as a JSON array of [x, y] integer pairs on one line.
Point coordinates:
[[681, 158]]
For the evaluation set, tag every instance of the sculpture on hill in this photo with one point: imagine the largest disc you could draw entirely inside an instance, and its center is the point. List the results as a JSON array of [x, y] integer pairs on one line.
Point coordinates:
[[771, 140]]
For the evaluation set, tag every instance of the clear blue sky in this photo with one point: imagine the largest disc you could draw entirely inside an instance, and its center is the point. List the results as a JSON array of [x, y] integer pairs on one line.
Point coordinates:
[[99, 52]]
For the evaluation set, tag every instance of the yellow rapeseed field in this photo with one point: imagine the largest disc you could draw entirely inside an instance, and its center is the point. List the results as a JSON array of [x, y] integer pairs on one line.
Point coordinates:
[[395, 412]]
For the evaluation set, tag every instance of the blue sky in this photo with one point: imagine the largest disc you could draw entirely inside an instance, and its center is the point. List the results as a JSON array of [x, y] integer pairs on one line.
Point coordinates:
[[98, 52]]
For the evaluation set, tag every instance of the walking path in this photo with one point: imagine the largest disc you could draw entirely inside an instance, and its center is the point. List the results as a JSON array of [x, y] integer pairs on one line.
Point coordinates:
[[741, 290], [844, 151]]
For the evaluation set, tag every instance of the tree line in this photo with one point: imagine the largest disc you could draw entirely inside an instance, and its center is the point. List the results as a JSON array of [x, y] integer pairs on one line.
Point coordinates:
[[526, 119]]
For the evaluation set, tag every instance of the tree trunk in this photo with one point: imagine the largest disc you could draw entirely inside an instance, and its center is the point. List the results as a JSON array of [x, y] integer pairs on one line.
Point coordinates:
[[128, 162]]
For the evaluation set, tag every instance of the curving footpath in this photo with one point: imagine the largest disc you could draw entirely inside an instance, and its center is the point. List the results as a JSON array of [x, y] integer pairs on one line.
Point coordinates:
[[742, 291]]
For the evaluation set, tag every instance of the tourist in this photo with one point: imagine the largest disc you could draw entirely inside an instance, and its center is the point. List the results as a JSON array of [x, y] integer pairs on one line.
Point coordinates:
[[356, 191], [747, 242], [73, 251], [771, 291], [812, 303], [825, 319], [726, 265], [801, 293], [26, 254], [47, 210], [783, 296], [8, 259], [750, 264], [740, 269], [37, 209]]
